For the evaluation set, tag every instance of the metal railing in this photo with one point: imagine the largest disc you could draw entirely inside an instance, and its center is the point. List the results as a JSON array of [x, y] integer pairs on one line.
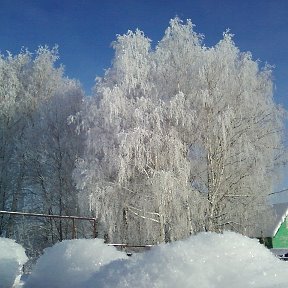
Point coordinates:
[[72, 218]]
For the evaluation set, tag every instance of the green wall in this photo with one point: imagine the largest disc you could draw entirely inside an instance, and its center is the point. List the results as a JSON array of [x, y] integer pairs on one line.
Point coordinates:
[[280, 240]]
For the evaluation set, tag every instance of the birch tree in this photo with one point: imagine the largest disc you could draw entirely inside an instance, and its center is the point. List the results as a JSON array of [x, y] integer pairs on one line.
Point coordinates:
[[38, 147], [240, 132], [181, 138], [54, 148], [13, 103]]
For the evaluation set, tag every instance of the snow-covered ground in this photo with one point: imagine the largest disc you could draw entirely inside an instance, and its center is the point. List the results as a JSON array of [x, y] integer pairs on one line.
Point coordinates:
[[12, 258], [71, 263], [208, 260]]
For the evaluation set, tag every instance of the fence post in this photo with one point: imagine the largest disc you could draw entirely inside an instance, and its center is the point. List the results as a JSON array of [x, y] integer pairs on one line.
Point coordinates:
[[94, 228], [73, 229]]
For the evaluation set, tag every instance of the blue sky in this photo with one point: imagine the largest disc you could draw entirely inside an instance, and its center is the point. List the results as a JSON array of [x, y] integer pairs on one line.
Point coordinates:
[[84, 29]]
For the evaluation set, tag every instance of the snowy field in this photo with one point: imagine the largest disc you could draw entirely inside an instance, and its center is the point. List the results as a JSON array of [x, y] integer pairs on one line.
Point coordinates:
[[207, 260]]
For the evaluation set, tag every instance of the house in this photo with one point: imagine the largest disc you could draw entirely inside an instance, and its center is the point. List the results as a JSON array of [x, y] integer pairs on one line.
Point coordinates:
[[279, 233], [276, 235]]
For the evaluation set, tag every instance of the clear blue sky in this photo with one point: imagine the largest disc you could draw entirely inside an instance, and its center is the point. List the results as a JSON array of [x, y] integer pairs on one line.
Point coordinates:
[[84, 29]]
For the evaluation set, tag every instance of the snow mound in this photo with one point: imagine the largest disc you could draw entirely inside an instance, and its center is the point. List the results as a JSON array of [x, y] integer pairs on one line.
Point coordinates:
[[12, 258], [206, 260], [70, 263]]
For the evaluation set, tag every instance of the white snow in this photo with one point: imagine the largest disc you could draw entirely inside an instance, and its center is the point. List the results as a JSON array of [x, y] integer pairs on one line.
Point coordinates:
[[12, 258], [70, 263], [208, 260]]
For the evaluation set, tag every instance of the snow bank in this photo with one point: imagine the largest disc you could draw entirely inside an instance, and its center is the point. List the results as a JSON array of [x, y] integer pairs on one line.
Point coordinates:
[[12, 258], [70, 263], [206, 260]]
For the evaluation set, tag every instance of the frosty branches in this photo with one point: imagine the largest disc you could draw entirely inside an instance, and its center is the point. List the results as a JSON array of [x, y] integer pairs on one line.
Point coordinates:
[[38, 148], [180, 138]]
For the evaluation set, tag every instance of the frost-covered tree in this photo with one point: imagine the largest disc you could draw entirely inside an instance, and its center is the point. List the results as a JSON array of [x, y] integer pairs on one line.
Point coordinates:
[[15, 107], [54, 148], [239, 134], [38, 147], [180, 138]]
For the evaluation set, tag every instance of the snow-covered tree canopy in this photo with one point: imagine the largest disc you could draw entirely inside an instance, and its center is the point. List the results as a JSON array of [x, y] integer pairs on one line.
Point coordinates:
[[180, 138], [37, 146]]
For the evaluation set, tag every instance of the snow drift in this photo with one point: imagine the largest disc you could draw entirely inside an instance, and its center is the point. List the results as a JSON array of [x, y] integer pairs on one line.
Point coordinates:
[[206, 260], [70, 263], [12, 258]]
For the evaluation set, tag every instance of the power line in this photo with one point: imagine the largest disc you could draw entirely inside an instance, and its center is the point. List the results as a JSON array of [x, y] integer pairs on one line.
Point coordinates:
[[277, 192]]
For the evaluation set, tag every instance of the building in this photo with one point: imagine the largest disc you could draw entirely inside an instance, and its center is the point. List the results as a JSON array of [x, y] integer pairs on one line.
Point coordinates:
[[279, 233], [276, 236]]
